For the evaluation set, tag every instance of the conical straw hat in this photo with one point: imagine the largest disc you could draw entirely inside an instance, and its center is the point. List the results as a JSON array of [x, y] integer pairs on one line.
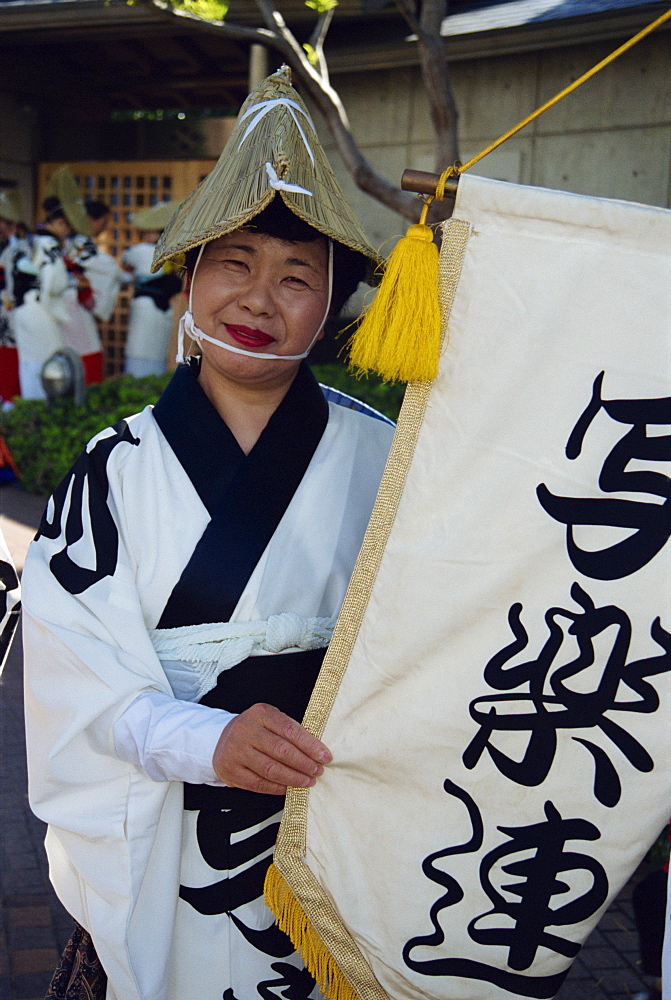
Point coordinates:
[[63, 186], [273, 150], [156, 217], [10, 205]]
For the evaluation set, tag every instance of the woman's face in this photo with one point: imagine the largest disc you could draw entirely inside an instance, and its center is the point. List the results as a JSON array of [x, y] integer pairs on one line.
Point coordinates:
[[259, 293]]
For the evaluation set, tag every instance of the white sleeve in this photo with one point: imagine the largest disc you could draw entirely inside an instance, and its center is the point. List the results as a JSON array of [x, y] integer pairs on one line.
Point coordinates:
[[170, 740], [10, 593]]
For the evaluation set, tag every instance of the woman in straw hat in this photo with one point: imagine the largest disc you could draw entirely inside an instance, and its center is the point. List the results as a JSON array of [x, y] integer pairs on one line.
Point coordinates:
[[184, 585], [150, 313]]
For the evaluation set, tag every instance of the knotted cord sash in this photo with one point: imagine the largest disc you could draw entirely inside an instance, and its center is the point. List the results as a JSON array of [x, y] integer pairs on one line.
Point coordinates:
[[193, 657]]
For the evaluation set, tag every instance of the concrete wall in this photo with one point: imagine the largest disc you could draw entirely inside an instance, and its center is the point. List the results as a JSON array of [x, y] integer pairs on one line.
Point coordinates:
[[611, 138], [19, 148], [28, 137]]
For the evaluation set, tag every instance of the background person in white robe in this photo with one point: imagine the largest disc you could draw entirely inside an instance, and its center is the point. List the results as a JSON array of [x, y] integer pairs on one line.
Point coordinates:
[[39, 283], [67, 221], [104, 275], [11, 245], [150, 313], [183, 587], [10, 594]]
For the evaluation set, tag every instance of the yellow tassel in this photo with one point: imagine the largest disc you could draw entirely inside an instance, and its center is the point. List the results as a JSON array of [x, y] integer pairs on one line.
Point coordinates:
[[399, 336], [291, 918]]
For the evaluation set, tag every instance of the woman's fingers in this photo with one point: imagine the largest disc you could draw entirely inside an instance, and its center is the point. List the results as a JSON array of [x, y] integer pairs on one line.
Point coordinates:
[[264, 750], [253, 783], [285, 740], [263, 774]]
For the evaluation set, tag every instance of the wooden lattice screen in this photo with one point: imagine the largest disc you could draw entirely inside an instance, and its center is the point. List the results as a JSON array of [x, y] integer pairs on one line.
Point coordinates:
[[127, 186]]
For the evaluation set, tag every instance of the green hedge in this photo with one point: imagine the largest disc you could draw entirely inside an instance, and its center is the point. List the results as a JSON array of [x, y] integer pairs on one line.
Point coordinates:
[[383, 396], [46, 440]]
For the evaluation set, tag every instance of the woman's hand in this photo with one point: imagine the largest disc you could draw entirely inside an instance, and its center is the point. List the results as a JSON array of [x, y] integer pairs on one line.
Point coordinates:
[[264, 750]]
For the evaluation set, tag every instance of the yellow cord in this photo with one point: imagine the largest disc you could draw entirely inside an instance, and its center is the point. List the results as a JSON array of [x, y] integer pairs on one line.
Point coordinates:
[[457, 168], [400, 335]]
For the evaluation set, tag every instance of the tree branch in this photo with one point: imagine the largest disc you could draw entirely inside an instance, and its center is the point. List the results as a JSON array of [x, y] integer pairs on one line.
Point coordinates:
[[406, 10], [295, 53], [277, 35], [258, 36], [329, 104], [436, 76], [321, 29], [318, 39]]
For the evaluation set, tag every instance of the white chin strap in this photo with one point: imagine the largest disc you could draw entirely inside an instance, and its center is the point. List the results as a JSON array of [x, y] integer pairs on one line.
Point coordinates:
[[187, 323]]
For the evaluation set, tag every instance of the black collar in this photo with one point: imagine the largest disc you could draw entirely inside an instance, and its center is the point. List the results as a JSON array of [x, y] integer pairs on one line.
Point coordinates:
[[245, 495]]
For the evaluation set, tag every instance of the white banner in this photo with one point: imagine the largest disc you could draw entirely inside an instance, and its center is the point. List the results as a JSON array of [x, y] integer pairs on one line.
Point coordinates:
[[497, 694]]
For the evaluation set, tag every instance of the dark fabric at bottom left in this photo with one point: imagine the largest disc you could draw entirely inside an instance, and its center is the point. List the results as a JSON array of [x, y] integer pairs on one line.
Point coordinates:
[[79, 975]]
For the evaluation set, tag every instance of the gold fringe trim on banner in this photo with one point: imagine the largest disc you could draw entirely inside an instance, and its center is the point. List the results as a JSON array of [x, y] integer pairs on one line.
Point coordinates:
[[291, 919]]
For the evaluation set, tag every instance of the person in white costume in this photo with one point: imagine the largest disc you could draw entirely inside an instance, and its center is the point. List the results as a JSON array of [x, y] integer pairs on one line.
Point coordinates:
[[10, 594], [38, 283], [150, 313], [68, 223], [183, 586], [12, 246], [101, 269]]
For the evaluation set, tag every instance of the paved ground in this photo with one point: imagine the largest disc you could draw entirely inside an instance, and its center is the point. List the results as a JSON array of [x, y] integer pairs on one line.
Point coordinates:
[[33, 925]]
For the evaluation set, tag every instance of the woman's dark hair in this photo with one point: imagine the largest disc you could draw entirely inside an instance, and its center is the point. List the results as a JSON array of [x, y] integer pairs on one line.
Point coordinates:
[[53, 209], [96, 209], [349, 266]]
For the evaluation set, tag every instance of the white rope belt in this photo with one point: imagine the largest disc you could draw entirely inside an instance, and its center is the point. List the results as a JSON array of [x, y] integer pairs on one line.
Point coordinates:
[[193, 656]]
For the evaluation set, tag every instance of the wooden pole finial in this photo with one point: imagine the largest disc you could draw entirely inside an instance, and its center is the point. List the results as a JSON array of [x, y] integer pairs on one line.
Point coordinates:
[[423, 182]]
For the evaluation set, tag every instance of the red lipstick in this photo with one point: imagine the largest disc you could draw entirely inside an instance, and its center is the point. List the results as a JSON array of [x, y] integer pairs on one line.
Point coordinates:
[[246, 336]]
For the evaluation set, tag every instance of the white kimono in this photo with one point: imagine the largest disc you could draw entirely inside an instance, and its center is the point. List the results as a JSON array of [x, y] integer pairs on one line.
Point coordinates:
[[9, 253], [8, 354], [10, 594], [147, 532], [80, 330], [149, 315], [39, 286], [106, 279]]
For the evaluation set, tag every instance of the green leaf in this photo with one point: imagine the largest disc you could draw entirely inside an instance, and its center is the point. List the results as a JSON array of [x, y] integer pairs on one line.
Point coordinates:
[[321, 6], [313, 57], [209, 10]]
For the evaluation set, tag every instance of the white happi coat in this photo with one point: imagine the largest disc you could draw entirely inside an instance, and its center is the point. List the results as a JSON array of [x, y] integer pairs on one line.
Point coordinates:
[[10, 593], [106, 279], [13, 249], [80, 331], [38, 319], [149, 327], [115, 835]]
